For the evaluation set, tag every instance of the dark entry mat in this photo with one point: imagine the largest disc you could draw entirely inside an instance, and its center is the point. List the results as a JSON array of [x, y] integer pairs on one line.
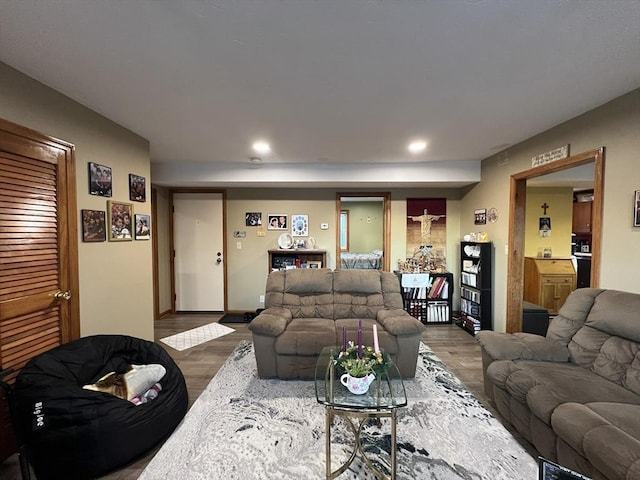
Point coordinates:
[[237, 317]]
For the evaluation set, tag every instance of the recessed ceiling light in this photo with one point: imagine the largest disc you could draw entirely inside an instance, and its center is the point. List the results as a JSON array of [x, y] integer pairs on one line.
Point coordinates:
[[417, 146], [261, 147]]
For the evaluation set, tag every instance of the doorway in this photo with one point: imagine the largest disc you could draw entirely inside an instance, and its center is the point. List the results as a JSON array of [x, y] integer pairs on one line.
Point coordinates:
[[198, 245], [517, 219], [372, 244]]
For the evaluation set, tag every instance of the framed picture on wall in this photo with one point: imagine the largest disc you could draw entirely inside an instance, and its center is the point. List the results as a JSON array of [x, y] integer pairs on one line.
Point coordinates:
[[143, 227], [480, 216], [100, 180], [636, 206], [94, 227], [120, 216], [277, 221], [253, 219], [137, 188], [300, 225]]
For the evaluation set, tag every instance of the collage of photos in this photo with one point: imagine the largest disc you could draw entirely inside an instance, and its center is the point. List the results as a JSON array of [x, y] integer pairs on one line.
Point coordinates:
[[118, 222]]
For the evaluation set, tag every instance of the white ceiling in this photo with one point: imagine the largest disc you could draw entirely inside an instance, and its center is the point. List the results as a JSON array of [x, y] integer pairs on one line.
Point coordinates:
[[333, 85]]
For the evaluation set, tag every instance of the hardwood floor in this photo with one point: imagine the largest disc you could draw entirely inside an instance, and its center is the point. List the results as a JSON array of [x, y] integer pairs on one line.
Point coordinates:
[[455, 347]]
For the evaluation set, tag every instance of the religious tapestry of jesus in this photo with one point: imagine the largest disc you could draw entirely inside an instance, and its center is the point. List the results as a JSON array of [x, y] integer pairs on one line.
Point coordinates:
[[427, 231]]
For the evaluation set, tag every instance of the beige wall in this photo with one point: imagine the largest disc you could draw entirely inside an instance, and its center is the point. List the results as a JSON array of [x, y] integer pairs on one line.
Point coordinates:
[[560, 201], [616, 126], [366, 226], [115, 277]]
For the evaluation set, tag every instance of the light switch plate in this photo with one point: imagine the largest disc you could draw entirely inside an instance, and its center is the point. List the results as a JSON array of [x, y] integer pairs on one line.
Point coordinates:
[[324, 226]]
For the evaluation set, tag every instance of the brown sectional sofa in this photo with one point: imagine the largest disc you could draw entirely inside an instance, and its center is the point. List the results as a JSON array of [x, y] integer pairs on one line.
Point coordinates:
[[575, 394], [306, 310]]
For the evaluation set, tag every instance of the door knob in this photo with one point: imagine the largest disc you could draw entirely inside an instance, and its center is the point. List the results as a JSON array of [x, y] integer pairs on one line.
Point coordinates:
[[62, 295], [218, 260]]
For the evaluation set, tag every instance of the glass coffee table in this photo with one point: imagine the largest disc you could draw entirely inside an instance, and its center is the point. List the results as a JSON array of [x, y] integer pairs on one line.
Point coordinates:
[[385, 395]]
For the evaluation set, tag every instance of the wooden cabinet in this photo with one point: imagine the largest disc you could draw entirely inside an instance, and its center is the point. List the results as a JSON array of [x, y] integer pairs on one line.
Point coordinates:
[[582, 217], [548, 281], [282, 259]]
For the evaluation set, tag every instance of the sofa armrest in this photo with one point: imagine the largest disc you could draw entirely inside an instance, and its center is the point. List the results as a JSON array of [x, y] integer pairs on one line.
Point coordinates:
[[521, 346], [398, 322], [272, 321]]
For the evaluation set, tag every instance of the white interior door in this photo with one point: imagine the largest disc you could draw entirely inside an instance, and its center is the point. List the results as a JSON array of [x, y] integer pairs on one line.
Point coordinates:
[[199, 259]]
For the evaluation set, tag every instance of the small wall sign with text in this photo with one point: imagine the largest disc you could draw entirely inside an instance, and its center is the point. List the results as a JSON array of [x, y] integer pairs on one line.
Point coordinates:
[[552, 156]]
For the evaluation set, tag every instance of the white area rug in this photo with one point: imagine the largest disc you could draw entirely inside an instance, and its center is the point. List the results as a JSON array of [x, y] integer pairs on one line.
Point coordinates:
[[243, 427], [196, 336]]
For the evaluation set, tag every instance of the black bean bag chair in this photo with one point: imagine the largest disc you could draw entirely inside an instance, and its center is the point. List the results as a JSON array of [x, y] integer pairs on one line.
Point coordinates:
[[74, 433]]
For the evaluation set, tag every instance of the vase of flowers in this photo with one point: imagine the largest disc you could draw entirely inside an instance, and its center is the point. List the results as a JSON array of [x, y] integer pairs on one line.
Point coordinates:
[[360, 366]]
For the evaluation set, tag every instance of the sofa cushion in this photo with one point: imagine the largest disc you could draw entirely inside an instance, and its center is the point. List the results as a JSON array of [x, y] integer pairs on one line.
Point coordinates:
[[357, 282], [572, 315], [545, 385], [608, 342], [591, 429], [272, 321], [616, 313], [313, 282], [306, 336], [523, 346], [398, 322], [357, 294]]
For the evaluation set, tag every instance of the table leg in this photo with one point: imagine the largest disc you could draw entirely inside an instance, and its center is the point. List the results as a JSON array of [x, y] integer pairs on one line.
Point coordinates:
[[393, 444], [328, 420]]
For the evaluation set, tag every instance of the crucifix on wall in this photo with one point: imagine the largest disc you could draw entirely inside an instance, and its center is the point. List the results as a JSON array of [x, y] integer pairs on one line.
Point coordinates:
[[544, 207]]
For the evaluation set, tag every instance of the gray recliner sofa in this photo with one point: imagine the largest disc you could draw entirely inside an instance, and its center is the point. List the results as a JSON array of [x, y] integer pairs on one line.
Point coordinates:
[[307, 309], [574, 394]]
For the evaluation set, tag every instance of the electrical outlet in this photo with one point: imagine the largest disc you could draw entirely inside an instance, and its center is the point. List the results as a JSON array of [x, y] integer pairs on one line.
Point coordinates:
[[261, 298], [239, 245]]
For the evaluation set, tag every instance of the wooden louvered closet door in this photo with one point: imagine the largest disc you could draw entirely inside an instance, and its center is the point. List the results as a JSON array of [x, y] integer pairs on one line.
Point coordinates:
[[38, 247]]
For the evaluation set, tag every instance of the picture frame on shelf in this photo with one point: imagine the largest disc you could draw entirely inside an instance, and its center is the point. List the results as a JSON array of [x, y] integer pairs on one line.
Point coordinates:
[[143, 227], [277, 221], [100, 180], [120, 215], [314, 264], [94, 226], [636, 205], [300, 225], [137, 188]]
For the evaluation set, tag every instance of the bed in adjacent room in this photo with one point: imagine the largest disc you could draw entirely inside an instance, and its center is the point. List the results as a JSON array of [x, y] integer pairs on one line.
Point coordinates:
[[372, 261]]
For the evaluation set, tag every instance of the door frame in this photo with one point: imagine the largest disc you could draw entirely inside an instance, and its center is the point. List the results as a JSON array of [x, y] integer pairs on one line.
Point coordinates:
[[223, 193], [386, 224], [517, 209]]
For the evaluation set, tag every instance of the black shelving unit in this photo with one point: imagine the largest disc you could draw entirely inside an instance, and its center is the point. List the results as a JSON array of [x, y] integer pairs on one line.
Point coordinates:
[[476, 309], [427, 296]]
